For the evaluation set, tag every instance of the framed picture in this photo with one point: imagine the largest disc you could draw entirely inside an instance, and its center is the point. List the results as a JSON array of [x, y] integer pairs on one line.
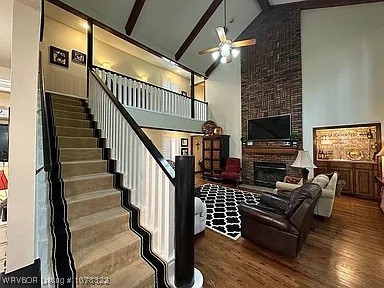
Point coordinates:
[[184, 151], [78, 57], [59, 56], [184, 93], [184, 142]]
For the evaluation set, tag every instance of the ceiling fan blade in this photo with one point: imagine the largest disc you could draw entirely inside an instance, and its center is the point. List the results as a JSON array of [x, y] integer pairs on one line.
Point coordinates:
[[221, 33], [210, 50], [243, 43]]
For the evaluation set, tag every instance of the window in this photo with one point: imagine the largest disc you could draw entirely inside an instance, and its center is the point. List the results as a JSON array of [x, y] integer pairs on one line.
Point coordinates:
[[170, 147]]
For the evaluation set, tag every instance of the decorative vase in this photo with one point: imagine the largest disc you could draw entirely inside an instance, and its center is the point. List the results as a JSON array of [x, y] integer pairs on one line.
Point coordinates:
[[218, 131]]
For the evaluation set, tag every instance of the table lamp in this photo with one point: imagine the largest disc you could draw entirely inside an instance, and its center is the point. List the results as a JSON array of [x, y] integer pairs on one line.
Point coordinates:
[[303, 161]]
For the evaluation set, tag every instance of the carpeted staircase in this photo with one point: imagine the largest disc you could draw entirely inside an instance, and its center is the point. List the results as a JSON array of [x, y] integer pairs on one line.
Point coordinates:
[[102, 244]]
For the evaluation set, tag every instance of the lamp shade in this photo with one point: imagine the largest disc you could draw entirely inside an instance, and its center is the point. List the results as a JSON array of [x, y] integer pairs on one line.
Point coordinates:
[[303, 160], [381, 153]]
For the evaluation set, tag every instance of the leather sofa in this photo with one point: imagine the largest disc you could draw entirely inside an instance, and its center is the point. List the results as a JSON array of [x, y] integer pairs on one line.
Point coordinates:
[[278, 223], [200, 216], [324, 206]]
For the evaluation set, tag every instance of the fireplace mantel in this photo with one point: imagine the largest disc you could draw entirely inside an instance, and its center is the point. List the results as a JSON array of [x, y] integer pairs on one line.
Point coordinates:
[[269, 150]]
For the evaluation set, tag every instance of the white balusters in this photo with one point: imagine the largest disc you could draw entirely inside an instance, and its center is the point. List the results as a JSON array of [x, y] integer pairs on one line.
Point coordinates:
[[151, 189], [137, 94]]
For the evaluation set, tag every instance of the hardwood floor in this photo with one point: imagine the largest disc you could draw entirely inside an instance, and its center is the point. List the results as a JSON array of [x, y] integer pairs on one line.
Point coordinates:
[[346, 250]]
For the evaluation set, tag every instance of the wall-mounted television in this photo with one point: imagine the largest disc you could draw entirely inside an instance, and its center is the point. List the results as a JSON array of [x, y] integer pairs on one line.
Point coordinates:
[[270, 128]]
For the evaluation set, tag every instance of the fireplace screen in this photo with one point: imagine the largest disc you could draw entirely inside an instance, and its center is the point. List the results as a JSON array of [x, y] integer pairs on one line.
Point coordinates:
[[267, 174]]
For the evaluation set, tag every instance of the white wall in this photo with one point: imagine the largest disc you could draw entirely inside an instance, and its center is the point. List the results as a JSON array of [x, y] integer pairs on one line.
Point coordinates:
[[22, 136], [343, 66], [223, 90], [73, 80]]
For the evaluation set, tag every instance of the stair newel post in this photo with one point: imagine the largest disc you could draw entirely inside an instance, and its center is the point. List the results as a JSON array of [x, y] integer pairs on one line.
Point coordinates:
[[184, 221]]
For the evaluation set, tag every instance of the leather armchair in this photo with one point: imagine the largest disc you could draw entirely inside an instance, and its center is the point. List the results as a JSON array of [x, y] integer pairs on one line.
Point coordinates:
[[324, 206], [281, 224]]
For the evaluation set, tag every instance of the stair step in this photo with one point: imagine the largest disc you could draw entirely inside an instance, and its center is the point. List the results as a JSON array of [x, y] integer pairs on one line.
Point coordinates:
[[67, 97], [78, 168], [67, 122], [70, 115], [88, 183], [108, 256], [93, 202], [67, 101], [137, 275], [70, 108], [77, 142], [97, 227], [80, 154], [74, 132]]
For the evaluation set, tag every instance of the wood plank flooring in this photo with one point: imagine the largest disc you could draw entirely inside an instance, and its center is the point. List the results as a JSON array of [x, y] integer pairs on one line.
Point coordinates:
[[346, 250]]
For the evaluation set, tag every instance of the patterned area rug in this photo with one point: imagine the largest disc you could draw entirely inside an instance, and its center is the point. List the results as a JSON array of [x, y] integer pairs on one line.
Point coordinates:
[[222, 212]]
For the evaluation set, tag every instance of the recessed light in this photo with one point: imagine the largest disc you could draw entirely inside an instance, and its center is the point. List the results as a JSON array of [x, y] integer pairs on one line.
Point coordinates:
[[85, 25]]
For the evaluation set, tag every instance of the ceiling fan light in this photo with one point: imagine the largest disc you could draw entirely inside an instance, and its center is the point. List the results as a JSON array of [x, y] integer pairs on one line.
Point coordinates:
[[215, 55], [223, 60], [235, 52], [225, 48]]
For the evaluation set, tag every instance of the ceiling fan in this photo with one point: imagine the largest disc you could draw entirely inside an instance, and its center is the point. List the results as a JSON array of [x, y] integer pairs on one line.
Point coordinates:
[[227, 48]]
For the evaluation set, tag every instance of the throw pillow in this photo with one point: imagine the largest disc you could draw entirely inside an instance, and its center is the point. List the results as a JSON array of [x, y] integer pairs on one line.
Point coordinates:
[[292, 179], [321, 180]]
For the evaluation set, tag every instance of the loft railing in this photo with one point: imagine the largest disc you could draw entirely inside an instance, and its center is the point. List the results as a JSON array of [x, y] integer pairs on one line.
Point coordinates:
[[150, 179], [138, 94]]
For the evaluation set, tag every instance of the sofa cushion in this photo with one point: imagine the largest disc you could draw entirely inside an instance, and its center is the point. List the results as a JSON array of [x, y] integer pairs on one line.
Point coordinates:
[[322, 180]]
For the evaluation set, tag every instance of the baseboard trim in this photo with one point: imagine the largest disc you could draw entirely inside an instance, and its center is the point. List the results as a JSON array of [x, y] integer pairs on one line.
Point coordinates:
[[25, 277]]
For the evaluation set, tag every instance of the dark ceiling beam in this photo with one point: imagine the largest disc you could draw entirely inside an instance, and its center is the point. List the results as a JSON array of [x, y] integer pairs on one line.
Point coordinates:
[[196, 30], [315, 4], [136, 10], [212, 67], [264, 5]]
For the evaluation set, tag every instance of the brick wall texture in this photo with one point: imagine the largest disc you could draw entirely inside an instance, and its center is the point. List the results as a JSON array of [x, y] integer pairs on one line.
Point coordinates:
[[271, 78]]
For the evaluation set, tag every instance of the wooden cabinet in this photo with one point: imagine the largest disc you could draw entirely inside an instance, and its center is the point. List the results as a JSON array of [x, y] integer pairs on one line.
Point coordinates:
[[215, 154], [359, 177]]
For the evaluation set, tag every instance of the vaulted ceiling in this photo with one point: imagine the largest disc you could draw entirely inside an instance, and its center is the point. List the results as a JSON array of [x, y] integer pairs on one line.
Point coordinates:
[[164, 25]]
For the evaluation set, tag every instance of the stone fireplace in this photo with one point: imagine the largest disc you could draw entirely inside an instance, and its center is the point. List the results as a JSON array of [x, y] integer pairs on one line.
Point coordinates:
[[267, 174]]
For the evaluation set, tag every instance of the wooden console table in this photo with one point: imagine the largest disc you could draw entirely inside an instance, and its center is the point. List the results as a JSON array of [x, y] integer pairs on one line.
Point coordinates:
[[381, 181]]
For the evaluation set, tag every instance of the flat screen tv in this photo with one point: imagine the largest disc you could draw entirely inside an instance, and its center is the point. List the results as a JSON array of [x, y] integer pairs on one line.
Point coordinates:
[[270, 128], [3, 143]]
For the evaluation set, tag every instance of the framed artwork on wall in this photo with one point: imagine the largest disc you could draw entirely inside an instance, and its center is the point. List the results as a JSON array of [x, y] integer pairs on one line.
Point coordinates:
[[78, 57], [184, 151], [58, 56], [184, 142]]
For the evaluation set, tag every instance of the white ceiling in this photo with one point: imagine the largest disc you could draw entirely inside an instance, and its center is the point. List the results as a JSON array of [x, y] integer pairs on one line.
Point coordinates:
[[5, 32], [163, 25]]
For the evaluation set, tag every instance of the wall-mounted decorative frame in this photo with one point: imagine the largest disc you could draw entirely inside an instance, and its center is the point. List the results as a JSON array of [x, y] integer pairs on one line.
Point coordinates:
[[184, 151], [184, 142], [58, 57], [79, 58]]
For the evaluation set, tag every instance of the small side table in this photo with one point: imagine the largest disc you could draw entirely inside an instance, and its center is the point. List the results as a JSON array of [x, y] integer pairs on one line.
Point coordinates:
[[381, 181]]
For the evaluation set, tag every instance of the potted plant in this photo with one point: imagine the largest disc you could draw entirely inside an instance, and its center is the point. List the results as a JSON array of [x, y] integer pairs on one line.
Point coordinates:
[[295, 138]]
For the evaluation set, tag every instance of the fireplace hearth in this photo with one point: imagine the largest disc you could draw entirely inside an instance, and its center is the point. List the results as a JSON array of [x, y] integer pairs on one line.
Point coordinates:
[[267, 174]]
